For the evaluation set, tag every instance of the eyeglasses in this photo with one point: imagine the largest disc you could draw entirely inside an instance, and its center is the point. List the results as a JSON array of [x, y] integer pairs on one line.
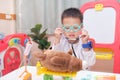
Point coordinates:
[[74, 28]]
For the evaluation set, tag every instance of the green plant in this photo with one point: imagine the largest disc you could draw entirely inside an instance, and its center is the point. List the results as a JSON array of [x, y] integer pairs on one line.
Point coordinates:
[[39, 38]]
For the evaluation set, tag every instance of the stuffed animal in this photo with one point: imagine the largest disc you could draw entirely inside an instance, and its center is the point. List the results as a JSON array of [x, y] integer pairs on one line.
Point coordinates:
[[59, 61]]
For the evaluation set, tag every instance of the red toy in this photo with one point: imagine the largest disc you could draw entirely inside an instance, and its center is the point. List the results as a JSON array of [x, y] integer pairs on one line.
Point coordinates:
[[95, 17], [11, 49]]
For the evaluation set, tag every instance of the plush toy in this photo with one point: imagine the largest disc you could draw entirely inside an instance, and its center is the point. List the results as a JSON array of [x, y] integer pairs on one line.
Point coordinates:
[[51, 59], [59, 61]]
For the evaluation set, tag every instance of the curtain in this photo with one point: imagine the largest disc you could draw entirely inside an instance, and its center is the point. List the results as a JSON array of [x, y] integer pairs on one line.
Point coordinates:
[[45, 12], [25, 15]]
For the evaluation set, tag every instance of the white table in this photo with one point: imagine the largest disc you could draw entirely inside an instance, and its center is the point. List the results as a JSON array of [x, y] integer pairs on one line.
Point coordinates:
[[14, 75]]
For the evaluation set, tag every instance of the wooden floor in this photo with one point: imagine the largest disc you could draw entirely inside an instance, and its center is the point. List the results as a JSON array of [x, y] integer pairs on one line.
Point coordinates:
[[103, 65]]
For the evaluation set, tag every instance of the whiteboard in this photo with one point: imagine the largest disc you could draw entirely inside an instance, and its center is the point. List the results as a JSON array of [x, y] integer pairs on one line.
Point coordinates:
[[100, 24]]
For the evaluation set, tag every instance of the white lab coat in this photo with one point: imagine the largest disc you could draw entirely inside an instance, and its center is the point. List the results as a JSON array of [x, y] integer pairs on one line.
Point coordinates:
[[87, 57]]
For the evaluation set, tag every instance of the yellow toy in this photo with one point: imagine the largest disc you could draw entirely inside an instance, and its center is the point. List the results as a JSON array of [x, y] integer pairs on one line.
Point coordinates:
[[26, 75], [107, 77], [49, 73], [42, 70]]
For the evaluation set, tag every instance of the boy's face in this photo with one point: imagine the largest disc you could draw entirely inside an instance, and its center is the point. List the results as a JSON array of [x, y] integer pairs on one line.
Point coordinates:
[[72, 27]]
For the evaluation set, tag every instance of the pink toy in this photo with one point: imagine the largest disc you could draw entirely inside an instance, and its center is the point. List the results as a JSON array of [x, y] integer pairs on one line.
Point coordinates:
[[11, 48], [101, 5]]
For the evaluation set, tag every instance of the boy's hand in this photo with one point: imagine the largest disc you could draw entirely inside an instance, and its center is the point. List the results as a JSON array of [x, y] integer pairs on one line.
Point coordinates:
[[84, 36], [58, 32]]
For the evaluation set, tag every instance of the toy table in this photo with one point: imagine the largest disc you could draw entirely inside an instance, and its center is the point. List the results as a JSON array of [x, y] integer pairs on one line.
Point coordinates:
[[81, 75]]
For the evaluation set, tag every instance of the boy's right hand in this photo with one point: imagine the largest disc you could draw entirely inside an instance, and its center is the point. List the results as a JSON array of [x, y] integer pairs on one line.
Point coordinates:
[[58, 33]]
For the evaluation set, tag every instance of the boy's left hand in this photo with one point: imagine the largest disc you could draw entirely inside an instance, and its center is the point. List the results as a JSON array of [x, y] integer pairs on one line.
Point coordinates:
[[84, 36]]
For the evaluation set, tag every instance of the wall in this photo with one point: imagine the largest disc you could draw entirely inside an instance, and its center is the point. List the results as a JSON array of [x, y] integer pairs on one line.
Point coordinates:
[[7, 23]]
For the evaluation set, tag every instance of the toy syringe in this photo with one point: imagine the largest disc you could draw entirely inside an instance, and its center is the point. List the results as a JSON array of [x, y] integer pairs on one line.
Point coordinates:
[[26, 53]]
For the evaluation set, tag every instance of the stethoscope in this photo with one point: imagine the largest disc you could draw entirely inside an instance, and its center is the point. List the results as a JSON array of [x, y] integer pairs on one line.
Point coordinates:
[[72, 46], [73, 50]]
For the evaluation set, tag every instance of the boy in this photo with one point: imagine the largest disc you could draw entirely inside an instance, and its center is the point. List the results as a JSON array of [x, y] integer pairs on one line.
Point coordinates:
[[72, 36]]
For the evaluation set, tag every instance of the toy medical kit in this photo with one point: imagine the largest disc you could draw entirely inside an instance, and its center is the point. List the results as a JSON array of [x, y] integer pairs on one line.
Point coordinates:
[[88, 45], [27, 75], [74, 27]]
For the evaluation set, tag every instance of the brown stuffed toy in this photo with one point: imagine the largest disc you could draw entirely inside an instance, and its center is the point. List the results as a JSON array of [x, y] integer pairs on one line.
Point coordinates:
[[59, 61]]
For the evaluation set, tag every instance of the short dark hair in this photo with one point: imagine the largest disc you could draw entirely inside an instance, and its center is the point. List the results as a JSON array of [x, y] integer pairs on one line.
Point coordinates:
[[72, 12]]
